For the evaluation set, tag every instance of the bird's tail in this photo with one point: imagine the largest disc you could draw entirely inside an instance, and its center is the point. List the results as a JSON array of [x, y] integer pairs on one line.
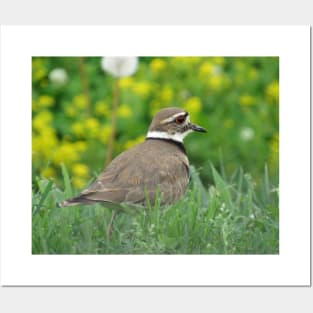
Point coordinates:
[[75, 201], [67, 203]]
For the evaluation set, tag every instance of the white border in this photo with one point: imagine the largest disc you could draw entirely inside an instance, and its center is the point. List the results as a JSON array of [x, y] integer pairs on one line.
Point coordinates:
[[290, 267]]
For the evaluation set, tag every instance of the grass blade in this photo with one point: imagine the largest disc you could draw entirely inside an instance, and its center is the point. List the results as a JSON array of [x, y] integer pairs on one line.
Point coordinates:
[[67, 182], [198, 184], [43, 197], [222, 187], [267, 191]]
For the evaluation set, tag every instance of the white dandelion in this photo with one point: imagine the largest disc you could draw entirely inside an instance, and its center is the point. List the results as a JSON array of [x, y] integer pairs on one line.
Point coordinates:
[[58, 76], [120, 66], [246, 133]]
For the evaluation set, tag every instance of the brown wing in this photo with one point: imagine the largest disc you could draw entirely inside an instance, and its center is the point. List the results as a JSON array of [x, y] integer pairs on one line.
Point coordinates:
[[149, 168]]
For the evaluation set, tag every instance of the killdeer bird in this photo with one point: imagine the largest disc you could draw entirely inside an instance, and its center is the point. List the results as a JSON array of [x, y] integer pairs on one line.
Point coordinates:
[[158, 166]]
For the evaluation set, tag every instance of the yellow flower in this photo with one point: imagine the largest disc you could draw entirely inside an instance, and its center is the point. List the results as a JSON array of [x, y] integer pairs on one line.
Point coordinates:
[[215, 81], [166, 94], [43, 144], [78, 182], [193, 105], [38, 69], [104, 133], [80, 169], [91, 123], [45, 101], [124, 111], [39, 74], [66, 153], [126, 82], [158, 65], [48, 172], [206, 68], [42, 120], [272, 91], [142, 88], [247, 100], [102, 109], [81, 146], [80, 101], [78, 129], [92, 126], [134, 142]]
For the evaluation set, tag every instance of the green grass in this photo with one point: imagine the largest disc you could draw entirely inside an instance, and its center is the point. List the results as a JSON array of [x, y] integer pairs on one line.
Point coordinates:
[[235, 215]]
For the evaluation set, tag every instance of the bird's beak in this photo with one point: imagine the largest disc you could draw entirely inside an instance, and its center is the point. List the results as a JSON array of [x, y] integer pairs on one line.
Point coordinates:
[[197, 128]]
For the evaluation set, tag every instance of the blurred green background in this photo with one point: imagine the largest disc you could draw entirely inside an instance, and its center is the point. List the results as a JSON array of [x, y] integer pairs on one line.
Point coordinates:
[[235, 98]]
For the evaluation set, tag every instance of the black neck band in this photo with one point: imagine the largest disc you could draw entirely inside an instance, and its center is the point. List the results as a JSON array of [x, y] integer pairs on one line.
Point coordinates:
[[179, 144]]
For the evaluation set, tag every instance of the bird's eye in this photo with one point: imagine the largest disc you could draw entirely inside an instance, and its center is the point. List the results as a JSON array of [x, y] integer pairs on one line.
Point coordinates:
[[180, 119]]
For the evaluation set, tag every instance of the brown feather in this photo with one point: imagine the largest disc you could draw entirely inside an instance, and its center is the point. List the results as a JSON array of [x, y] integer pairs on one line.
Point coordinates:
[[154, 165]]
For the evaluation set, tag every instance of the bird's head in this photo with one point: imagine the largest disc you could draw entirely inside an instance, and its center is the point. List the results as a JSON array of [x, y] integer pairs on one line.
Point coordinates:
[[173, 124]]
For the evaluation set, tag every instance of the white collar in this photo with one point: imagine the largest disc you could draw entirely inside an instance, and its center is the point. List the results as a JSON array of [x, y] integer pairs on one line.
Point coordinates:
[[163, 135]]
